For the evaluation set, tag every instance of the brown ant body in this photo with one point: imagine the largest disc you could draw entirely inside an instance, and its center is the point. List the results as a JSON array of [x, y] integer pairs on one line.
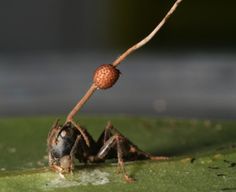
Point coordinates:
[[69, 142]]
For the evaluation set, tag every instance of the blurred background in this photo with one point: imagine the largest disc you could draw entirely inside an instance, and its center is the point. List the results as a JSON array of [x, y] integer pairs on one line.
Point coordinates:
[[50, 48]]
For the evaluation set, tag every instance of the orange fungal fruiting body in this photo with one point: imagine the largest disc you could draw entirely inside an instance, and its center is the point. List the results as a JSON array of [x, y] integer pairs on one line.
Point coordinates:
[[105, 76]]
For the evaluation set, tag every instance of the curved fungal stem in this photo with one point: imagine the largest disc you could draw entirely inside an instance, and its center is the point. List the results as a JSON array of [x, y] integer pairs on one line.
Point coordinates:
[[147, 38], [138, 45], [81, 102]]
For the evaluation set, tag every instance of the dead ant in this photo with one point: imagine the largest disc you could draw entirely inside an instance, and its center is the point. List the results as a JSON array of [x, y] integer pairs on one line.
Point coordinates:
[[70, 141]]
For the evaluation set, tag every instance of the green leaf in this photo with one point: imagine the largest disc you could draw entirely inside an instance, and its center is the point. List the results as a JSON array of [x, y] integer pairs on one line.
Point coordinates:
[[203, 156]]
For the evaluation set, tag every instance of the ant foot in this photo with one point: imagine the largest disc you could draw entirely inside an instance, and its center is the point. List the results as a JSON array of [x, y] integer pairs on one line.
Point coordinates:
[[128, 179], [158, 158]]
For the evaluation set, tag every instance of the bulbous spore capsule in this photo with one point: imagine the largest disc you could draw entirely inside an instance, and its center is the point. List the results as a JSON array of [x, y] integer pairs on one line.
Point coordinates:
[[105, 76]]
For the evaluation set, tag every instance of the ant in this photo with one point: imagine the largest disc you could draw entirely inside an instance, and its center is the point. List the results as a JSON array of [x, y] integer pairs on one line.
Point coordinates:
[[70, 141]]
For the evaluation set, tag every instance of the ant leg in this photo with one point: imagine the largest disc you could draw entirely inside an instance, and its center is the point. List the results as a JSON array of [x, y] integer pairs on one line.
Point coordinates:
[[53, 165], [73, 151], [53, 139], [82, 131], [136, 153], [55, 125], [120, 154], [106, 134], [56, 168], [56, 128], [117, 143]]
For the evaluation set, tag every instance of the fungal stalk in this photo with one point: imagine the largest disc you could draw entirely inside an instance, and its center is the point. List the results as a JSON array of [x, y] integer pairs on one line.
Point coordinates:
[[106, 75]]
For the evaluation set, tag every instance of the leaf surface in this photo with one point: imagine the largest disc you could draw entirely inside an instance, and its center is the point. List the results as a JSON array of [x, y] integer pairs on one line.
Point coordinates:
[[203, 156]]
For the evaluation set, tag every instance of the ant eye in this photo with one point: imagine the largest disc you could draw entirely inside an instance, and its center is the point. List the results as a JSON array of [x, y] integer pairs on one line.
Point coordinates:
[[63, 134]]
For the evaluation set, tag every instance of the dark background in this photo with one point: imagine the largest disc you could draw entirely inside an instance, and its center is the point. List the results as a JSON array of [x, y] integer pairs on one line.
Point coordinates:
[[50, 48]]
